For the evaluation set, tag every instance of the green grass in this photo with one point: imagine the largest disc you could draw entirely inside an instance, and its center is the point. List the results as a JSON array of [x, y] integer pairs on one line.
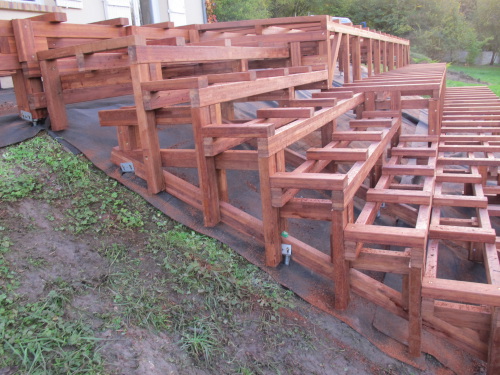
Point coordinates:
[[489, 74], [201, 292]]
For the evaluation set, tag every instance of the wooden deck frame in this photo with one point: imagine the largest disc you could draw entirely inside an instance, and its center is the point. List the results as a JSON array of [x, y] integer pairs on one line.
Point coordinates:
[[194, 74]]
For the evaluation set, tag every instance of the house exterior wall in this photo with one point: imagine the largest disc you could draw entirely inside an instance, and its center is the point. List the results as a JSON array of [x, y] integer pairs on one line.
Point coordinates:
[[194, 11], [95, 10]]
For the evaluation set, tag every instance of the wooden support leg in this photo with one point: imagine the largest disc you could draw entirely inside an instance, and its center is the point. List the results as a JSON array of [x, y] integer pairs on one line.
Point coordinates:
[[27, 47], [370, 101], [369, 57], [494, 343], [21, 91], [340, 265], [222, 184], [346, 58], [147, 129], [207, 173], [128, 138], [434, 126], [327, 131], [414, 311], [356, 58], [227, 111], [405, 291], [54, 95], [270, 214]]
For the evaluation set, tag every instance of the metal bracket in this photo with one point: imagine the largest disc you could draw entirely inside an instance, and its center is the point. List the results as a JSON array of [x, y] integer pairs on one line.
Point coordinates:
[[127, 167], [25, 115], [286, 250]]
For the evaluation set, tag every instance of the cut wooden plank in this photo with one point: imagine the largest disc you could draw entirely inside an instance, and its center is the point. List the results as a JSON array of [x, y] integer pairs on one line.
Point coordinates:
[[459, 233], [307, 208], [459, 201], [171, 54], [461, 291], [308, 102], [371, 136], [377, 234], [380, 261], [413, 152], [370, 123], [399, 196], [175, 84], [239, 130], [285, 112], [408, 170], [316, 181], [472, 178], [338, 154], [332, 95]]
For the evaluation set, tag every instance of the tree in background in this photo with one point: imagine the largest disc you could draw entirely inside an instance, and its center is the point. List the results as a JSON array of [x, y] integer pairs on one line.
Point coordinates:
[[436, 28], [234, 10], [440, 29], [488, 25], [390, 16]]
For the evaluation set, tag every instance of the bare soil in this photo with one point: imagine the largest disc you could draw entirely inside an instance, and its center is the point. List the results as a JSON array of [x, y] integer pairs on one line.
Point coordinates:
[[43, 255]]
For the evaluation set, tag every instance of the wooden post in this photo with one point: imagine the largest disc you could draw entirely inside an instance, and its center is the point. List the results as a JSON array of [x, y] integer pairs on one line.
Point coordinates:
[[391, 55], [434, 127], [494, 343], [147, 129], [207, 173], [270, 214], [356, 58], [26, 51], [346, 57], [385, 60], [295, 54], [376, 58], [340, 265], [415, 304], [369, 56], [54, 95]]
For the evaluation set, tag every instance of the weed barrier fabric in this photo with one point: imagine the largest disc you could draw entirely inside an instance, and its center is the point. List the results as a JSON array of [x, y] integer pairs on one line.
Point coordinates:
[[14, 129], [96, 143]]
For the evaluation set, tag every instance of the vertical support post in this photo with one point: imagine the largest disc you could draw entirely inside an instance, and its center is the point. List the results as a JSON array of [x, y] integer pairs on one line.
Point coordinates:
[[128, 138], [222, 184], [327, 132], [376, 58], [434, 127], [270, 214], [391, 55], [340, 265], [415, 304], [26, 50], [295, 54], [147, 129], [385, 60], [369, 56], [346, 58], [54, 95], [494, 343], [370, 101], [207, 173], [356, 58]]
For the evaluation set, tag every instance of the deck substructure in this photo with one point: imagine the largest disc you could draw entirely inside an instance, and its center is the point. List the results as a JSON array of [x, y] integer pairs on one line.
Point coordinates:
[[393, 202]]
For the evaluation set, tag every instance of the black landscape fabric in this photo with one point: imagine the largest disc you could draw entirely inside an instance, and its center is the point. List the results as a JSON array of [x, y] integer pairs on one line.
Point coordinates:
[[96, 143]]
